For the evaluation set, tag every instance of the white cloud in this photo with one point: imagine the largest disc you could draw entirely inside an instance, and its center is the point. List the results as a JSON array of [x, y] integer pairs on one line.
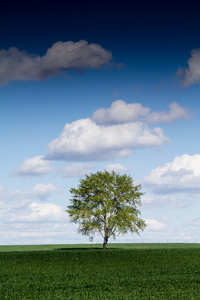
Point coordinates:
[[176, 112], [170, 201], [118, 168], [33, 167], [180, 175], [40, 233], [77, 170], [48, 212], [27, 211], [26, 222], [18, 65], [86, 140], [121, 112], [108, 134], [155, 225], [40, 191], [191, 75], [6, 195]]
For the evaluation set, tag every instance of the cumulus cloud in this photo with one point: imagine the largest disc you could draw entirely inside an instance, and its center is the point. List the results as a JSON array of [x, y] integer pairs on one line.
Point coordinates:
[[41, 212], [33, 167], [7, 195], [155, 225], [176, 112], [121, 112], [109, 133], [77, 170], [180, 175], [191, 74], [24, 221], [18, 65], [40, 191], [27, 222], [27, 211], [113, 132], [170, 201], [118, 168], [86, 140]]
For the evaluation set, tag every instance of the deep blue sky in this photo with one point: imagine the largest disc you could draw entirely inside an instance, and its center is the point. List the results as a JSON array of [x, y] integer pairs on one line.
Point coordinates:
[[128, 27]]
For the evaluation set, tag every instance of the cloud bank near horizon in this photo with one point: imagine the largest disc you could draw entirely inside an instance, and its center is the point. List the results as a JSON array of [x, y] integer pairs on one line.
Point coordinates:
[[16, 65], [26, 221]]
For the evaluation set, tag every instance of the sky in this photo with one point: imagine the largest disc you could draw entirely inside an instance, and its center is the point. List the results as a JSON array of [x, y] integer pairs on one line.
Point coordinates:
[[93, 86]]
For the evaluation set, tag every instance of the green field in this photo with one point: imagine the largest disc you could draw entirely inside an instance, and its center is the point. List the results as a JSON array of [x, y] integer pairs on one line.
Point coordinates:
[[123, 271]]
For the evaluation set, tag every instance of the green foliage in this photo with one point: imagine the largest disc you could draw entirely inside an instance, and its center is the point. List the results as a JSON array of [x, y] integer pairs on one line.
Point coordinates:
[[76, 274], [106, 203]]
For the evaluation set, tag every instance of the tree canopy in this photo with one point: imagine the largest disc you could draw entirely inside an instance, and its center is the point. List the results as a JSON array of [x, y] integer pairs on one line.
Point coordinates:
[[106, 203]]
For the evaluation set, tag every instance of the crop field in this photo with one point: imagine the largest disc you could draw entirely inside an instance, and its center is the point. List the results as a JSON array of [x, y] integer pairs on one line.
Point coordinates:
[[123, 271]]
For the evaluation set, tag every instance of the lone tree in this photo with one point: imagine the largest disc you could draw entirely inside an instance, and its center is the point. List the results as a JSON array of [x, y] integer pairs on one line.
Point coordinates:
[[106, 203]]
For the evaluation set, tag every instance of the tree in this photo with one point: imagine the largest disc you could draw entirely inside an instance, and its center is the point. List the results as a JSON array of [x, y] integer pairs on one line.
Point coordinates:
[[106, 203]]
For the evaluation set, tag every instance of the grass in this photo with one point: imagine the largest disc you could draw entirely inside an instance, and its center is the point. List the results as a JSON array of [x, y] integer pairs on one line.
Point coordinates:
[[124, 271], [98, 246]]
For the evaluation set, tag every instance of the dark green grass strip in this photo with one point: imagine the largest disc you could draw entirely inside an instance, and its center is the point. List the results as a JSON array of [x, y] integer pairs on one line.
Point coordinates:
[[99, 246], [99, 274]]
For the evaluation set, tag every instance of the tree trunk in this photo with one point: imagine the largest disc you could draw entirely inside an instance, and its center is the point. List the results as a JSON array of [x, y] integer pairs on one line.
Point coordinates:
[[105, 242]]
